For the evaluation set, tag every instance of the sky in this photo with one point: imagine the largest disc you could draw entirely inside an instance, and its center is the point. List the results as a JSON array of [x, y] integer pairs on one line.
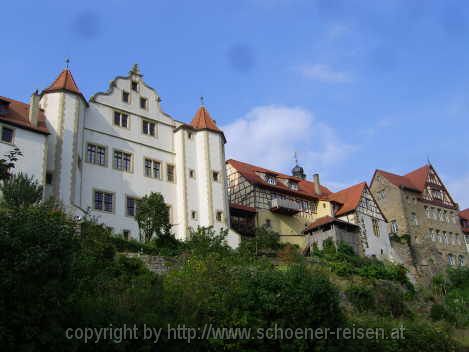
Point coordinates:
[[350, 86]]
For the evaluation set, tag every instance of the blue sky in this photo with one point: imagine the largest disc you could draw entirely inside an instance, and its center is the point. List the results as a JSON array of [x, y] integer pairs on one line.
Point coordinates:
[[350, 85]]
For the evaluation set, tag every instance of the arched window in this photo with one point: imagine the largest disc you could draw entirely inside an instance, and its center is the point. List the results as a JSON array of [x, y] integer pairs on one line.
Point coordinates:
[[450, 259], [461, 260]]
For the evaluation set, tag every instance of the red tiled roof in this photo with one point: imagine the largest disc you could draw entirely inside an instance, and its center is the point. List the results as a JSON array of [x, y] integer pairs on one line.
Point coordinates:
[[17, 114], [464, 214], [397, 180], [243, 207], [203, 121], [324, 221], [349, 198], [414, 180], [64, 81], [305, 188]]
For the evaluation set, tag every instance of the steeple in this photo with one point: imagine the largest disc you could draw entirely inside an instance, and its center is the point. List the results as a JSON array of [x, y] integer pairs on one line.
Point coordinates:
[[203, 121], [298, 171], [64, 82]]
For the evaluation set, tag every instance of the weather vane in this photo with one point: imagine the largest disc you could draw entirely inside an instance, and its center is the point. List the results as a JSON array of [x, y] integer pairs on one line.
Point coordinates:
[[67, 63], [296, 158], [202, 101]]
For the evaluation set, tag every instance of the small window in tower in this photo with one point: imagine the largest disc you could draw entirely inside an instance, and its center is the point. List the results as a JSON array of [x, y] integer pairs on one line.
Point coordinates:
[[48, 178], [219, 216], [194, 215], [192, 173], [135, 86], [7, 134], [216, 176], [143, 103], [189, 135], [125, 96]]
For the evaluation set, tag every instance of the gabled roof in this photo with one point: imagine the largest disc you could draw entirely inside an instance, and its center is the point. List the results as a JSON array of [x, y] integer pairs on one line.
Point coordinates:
[[305, 188], [17, 114], [464, 214], [400, 181], [203, 121], [348, 198], [324, 221]]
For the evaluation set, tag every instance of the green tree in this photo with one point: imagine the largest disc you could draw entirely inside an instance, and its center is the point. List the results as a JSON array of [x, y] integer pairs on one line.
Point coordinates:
[[37, 246], [264, 242], [20, 190], [8, 162], [153, 217]]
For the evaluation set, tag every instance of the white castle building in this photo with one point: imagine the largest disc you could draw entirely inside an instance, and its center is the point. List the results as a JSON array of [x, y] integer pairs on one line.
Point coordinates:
[[101, 155]]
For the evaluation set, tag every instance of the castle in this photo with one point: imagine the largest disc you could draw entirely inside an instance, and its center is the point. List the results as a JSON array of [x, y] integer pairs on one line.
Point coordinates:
[[99, 156]]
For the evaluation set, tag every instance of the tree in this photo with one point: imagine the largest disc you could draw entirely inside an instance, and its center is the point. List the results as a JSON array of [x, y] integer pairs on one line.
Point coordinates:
[[20, 190], [37, 245], [153, 217], [8, 162], [264, 242]]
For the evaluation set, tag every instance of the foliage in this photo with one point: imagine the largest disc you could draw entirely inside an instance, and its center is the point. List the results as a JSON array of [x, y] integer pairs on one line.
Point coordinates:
[[361, 297], [37, 246], [153, 217], [290, 254], [20, 190], [205, 240], [439, 285], [264, 242], [8, 162]]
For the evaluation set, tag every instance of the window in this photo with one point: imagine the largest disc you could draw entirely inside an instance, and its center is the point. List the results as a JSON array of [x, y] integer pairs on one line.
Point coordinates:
[[125, 96], [135, 86], [445, 237], [126, 234], [170, 173], [219, 216], [104, 201], [189, 135], [122, 161], [48, 178], [215, 175], [149, 128], [191, 173], [194, 215], [435, 214], [7, 134], [381, 195], [414, 219], [450, 259], [131, 206], [375, 227], [96, 154], [293, 185], [441, 215], [121, 119], [143, 103], [428, 213], [270, 179], [432, 235], [268, 223], [438, 236], [394, 226], [152, 168], [170, 213], [461, 260]]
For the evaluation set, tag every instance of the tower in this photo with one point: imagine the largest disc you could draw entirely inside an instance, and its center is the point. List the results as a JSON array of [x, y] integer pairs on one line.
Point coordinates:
[[64, 105], [297, 170]]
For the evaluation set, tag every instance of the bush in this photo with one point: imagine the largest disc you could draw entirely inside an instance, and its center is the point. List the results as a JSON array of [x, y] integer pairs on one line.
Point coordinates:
[[206, 240], [265, 242], [361, 297], [20, 191]]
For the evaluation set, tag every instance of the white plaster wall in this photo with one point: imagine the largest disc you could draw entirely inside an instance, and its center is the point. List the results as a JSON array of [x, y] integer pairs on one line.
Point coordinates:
[[33, 146], [377, 243]]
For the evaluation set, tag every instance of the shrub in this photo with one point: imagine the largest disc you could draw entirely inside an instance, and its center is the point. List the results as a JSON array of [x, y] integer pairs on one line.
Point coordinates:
[[361, 297], [264, 242], [20, 191]]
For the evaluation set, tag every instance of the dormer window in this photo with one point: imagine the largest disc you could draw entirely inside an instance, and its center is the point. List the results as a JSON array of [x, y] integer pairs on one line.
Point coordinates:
[[135, 86], [270, 179], [293, 185]]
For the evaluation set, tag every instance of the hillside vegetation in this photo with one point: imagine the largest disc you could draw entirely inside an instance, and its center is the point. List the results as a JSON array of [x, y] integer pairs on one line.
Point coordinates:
[[57, 276]]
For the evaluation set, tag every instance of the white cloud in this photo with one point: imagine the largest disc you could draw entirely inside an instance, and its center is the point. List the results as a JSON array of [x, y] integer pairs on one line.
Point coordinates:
[[324, 73], [270, 135], [459, 189]]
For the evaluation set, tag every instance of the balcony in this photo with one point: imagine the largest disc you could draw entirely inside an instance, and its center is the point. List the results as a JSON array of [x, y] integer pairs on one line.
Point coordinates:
[[284, 206]]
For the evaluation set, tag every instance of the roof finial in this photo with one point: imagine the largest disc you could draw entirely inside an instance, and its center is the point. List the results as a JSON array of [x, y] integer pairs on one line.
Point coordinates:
[[135, 70], [67, 63], [428, 160], [202, 103]]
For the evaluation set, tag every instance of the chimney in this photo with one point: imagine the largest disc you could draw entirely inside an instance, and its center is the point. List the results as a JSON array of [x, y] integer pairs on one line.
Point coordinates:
[[34, 108], [317, 188]]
